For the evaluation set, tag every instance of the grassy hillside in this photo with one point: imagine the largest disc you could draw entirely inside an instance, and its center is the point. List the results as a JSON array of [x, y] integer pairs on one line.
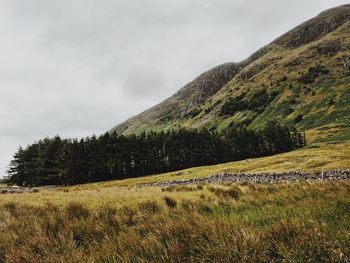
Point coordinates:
[[302, 78]]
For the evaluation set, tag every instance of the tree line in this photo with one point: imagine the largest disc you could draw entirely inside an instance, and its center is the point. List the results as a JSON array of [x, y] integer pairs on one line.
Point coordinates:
[[57, 161]]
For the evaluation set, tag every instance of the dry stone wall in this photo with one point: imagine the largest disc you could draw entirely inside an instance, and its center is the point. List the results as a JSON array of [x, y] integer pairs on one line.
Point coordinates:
[[260, 178]]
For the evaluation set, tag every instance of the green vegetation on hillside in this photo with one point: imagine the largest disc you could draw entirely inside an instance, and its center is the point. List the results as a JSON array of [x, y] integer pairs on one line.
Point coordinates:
[[302, 78], [313, 73], [258, 102]]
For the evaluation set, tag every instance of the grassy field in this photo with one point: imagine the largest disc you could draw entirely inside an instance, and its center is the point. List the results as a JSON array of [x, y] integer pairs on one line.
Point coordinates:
[[121, 221], [129, 191], [296, 222]]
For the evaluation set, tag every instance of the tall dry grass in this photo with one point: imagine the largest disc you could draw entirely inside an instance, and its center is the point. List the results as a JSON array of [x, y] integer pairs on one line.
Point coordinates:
[[297, 222]]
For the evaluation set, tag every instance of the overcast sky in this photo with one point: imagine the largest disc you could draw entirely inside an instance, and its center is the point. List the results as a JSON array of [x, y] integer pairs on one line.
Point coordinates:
[[78, 67]]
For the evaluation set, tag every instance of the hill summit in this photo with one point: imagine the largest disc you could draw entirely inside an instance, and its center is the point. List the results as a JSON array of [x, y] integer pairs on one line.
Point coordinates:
[[302, 78]]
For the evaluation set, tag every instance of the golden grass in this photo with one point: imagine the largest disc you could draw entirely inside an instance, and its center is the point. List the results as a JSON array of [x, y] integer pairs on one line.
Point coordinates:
[[91, 195], [129, 192], [296, 222]]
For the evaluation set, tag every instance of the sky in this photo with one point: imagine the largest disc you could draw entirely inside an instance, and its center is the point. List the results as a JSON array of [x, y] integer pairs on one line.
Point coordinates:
[[79, 67]]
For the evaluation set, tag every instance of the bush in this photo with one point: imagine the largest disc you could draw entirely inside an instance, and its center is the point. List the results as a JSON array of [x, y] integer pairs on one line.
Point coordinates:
[[283, 79], [331, 102], [313, 73], [193, 113], [299, 118], [290, 110]]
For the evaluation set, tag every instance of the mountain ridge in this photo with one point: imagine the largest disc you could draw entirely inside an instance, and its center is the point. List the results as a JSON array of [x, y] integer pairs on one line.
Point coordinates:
[[319, 43]]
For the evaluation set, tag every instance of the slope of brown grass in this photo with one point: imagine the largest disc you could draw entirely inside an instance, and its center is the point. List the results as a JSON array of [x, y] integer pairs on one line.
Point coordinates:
[[297, 222]]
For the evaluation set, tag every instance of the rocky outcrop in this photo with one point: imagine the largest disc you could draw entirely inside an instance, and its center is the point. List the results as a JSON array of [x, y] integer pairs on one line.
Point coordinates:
[[186, 99], [207, 84], [346, 61], [316, 28]]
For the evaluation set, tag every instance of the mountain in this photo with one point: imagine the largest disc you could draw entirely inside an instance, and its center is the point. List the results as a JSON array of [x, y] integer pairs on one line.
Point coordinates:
[[302, 79]]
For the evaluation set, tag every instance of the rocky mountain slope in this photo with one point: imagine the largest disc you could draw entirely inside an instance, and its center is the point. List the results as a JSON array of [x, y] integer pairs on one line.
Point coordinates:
[[302, 78]]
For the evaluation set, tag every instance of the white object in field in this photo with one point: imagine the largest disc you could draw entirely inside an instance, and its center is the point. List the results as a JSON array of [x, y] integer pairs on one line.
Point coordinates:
[[15, 189]]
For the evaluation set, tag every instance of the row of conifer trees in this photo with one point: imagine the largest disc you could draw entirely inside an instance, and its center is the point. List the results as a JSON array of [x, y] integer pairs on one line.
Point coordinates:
[[56, 161]]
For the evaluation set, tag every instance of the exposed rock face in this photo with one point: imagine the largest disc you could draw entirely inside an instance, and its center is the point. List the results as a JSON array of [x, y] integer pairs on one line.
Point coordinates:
[[346, 61], [207, 84], [330, 48], [316, 28], [188, 98]]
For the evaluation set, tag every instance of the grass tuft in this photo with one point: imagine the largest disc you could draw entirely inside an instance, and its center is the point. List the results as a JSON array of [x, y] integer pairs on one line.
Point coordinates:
[[76, 210], [231, 193], [170, 202]]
